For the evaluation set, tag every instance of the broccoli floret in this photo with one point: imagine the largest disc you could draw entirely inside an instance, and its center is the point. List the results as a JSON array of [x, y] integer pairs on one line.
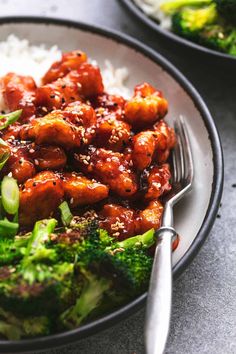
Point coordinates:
[[38, 289], [89, 299], [39, 283], [172, 6], [220, 38], [188, 22], [12, 250], [115, 272], [15, 328]]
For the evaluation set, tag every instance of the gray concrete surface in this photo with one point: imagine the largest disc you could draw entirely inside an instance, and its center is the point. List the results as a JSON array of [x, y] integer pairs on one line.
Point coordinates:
[[204, 308]]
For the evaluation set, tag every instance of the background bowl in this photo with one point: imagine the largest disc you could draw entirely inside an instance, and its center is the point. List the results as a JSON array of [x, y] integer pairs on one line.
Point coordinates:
[[195, 215], [137, 12]]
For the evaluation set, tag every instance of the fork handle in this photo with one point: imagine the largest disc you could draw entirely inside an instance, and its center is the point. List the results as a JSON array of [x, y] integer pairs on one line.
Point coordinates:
[[160, 294]]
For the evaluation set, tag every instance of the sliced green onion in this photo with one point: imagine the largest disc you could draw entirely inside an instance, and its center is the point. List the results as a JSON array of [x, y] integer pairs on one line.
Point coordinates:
[[5, 153], [8, 228], [66, 215], [9, 118], [10, 195]]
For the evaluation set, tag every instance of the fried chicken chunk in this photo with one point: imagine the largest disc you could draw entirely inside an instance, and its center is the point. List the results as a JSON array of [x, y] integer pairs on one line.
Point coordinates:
[[48, 157], [54, 128], [150, 217], [112, 131], [146, 107], [158, 181], [117, 220], [152, 145], [80, 190], [57, 94], [19, 93], [110, 168], [39, 197], [69, 61]]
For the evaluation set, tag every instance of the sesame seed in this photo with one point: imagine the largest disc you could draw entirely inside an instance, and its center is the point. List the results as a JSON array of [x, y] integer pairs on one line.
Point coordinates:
[[36, 162], [31, 151]]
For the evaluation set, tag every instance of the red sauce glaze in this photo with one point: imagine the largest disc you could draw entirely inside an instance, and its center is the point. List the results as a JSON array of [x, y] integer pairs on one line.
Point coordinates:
[[98, 151]]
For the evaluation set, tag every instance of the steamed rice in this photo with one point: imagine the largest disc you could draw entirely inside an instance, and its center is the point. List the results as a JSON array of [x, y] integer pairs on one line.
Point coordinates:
[[152, 9], [19, 56]]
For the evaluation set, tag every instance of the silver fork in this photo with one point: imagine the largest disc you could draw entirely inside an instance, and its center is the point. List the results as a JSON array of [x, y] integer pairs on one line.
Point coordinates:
[[160, 289]]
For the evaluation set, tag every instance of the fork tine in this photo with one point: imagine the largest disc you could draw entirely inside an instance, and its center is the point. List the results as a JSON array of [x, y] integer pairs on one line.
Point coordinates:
[[178, 153], [187, 154]]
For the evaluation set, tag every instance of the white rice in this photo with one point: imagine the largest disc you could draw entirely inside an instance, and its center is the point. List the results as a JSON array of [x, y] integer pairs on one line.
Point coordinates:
[[153, 9], [19, 56]]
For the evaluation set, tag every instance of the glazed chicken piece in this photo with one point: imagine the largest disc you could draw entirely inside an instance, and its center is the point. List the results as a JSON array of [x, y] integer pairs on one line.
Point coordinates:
[[26, 159], [54, 128], [117, 220], [111, 168], [158, 181], [152, 145], [144, 146], [109, 105], [88, 79], [18, 163], [167, 141], [146, 107], [122, 222], [77, 85], [150, 217], [80, 190], [47, 157], [69, 61], [83, 115], [112, 132], [39, 197], [56, 94], [19, 93]]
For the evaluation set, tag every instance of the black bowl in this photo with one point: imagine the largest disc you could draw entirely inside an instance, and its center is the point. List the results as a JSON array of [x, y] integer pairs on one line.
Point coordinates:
[[151, 23], [214, 199]]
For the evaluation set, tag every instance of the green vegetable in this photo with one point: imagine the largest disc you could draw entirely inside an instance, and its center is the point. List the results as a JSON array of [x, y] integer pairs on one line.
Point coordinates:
[[90, 297], [8, 228], [172, 6], [14, 328], [5, 153], [7, 119], [61, 277], [220, 38], [66, 215], [188, 22], [10, 195], [40, 235]]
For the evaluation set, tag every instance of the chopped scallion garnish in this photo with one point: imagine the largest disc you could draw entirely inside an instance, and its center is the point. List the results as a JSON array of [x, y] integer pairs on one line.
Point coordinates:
[[66, 215], [5, 153], [9, 118], [10, 195], [8, 228]]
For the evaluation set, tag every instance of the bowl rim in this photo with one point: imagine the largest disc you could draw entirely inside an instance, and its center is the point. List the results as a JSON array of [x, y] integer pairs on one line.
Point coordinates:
[[66, 337], [151, 23]]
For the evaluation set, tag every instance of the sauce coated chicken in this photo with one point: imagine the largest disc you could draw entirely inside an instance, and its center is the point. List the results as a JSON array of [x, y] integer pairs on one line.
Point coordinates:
[[97, 151]]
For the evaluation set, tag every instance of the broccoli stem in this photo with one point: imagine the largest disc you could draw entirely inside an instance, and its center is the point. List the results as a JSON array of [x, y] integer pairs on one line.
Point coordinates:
[[146, 240], [169, 7], [89, 299], [41, 232]]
